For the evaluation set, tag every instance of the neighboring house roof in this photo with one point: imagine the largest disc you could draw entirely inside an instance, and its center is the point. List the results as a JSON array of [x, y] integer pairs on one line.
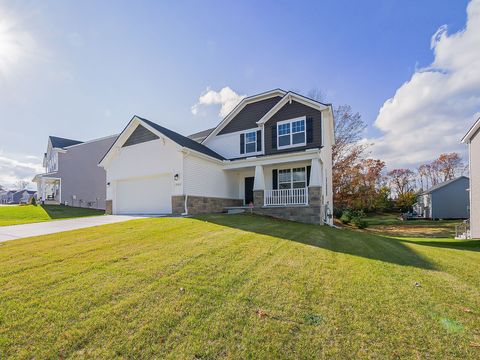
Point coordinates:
[[443, 184], [471, 132], [58, 142], [183, 140], [201, 134]]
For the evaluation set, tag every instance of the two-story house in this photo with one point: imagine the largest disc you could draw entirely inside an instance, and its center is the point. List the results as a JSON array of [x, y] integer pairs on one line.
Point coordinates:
[[72, 176], [472, 138], [272, 153]]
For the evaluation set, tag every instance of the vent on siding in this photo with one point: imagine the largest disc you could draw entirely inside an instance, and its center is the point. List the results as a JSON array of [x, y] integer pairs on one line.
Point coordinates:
[[140, 135]]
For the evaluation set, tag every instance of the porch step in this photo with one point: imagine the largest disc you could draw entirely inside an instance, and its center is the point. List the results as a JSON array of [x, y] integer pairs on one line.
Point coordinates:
[[235, 211]]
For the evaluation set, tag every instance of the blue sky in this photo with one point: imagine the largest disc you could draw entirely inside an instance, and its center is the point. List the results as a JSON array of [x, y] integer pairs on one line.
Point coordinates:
[[82, 69]]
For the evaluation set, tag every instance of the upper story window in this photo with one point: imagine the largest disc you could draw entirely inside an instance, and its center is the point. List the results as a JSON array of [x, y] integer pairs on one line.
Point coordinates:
[[251, 142], [291, 133]]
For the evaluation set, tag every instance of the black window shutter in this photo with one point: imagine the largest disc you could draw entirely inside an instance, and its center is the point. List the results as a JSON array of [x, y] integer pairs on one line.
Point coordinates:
[[309, 170], [274, 136], [309, 127], [274, 179], [242, 143], [259, 140]]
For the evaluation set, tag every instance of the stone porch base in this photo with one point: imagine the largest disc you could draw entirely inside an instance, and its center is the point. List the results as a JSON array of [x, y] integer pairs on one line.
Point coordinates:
[[309, 214], [202, 204]]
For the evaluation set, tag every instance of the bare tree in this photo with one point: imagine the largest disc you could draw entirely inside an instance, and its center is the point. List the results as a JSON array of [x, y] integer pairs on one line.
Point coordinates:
[[21, 184], [402, 181]]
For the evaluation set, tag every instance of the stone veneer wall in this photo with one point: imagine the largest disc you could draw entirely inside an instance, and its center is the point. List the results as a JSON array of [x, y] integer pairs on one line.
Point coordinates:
[[108, 207], [202, 204], [309, 214]]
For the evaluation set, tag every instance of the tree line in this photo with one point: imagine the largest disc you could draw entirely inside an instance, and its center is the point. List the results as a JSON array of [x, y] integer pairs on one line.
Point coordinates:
[[361, 182]]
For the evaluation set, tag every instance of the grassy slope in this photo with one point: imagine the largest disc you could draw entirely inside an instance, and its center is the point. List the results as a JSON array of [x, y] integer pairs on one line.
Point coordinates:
[[15, 215], [115, 292]]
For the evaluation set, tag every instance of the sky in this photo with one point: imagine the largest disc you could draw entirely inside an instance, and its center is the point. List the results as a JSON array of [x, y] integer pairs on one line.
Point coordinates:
[[82, 69]]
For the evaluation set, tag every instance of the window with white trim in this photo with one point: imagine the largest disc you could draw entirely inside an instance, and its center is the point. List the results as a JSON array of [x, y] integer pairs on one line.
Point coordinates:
[[251, 142], [291, 133], [295, 178]]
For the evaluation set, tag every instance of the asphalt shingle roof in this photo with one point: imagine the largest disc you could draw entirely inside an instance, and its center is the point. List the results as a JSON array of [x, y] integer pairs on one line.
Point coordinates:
[[58, 142], [183, 140], [441, 185]]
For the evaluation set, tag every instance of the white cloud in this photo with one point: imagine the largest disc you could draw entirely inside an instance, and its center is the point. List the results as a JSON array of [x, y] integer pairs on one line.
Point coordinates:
[[226, 97], [431, 112], [18, 167]]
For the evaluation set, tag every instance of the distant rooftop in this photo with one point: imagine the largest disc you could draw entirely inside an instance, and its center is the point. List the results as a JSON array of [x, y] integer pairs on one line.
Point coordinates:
[[58, 142]]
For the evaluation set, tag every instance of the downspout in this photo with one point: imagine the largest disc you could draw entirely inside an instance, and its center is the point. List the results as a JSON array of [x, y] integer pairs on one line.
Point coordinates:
[[185, 205]]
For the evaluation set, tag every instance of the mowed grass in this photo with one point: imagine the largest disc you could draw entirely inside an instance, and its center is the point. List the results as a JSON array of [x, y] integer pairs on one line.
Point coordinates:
[[16, 214], [390, 224], [237, 286]]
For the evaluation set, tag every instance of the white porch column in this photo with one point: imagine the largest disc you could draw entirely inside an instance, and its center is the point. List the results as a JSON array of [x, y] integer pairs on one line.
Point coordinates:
[[315, 173], [42, 184], [259, 181]]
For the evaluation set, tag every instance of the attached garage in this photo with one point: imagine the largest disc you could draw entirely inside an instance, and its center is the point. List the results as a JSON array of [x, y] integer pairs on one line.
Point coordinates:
[[146, 195]]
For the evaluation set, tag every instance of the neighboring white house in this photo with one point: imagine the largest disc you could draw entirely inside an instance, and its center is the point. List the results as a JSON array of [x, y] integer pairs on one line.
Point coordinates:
[[472, 138], [273, 152], [72, 176]]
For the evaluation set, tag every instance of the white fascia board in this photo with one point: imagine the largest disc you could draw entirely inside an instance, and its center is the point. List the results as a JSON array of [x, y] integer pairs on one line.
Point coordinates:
[[287, 98], [272, 159], [187, 151], [468, 136], [240, 106]]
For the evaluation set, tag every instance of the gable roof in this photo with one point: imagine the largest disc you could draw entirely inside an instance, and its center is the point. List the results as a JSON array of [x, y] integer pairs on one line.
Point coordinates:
[[241, 105], [292, 96], [471, 132], [201, 134], [443, 184], [58, 142], [181, 140]]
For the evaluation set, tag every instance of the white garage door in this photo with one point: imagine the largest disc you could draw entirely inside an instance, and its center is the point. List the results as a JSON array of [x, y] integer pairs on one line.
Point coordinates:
[[149, 195]]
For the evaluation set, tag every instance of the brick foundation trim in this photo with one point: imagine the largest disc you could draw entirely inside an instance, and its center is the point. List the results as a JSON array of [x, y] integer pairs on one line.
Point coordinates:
[[202, 204], [108, 207]]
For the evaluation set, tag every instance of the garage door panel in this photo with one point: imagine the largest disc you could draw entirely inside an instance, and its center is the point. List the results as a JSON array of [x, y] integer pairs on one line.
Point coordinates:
[[151, 195]]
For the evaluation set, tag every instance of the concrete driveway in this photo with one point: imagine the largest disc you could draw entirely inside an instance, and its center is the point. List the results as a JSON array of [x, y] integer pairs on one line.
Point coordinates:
[[51, 227]]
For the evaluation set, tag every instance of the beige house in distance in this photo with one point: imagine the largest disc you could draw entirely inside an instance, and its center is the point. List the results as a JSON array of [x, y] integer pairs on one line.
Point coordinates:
[[472, 138]]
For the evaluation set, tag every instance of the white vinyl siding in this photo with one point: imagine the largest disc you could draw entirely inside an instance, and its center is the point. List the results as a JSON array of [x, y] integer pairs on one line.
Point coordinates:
[[206, 178]]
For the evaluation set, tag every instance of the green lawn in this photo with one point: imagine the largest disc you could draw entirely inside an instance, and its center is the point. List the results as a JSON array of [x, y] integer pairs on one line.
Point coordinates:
[[15, 215], [237, 286]]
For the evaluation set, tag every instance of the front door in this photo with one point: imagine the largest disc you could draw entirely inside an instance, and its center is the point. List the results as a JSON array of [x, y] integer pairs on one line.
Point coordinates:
[[249, 190]]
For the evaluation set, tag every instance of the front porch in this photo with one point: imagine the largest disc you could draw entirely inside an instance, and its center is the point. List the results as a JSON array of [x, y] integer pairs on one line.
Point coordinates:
[[49, 189], [288, 188]]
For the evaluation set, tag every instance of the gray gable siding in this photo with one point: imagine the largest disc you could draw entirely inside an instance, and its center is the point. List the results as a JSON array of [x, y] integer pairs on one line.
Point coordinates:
[[247, 118], [140, 135], [291, 111], [451, 201]]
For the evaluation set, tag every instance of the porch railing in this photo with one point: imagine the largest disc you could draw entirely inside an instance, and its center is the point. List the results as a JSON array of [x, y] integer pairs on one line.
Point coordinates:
[[286, 197]]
